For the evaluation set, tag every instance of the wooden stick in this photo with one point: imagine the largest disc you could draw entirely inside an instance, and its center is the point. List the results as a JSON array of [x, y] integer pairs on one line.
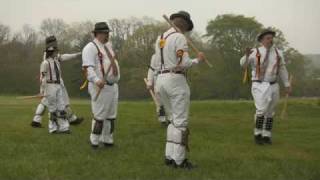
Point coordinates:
[[285, 106], [31, 97], [152, 94], [97, 95], [193, 47]]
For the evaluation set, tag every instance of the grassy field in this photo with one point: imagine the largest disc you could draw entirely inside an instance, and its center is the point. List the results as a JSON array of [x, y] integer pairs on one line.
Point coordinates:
[[221, 144]]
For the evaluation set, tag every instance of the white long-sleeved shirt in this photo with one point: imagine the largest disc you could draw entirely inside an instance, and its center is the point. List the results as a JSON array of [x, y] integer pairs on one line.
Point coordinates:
[[47, 72], [174, 43], [152, 74], [270, 73], [47, 67], [91, 61]]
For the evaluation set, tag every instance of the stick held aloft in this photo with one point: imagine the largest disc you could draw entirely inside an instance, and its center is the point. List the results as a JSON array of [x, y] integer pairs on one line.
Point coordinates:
[[193, 47]]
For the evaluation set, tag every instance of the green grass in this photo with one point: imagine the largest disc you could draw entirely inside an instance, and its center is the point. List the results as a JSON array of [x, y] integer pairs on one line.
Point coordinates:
[[221, 144]]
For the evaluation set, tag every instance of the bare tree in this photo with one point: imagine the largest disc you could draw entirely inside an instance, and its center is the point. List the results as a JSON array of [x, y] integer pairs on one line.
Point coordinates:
[[4, 33], [55, 27]]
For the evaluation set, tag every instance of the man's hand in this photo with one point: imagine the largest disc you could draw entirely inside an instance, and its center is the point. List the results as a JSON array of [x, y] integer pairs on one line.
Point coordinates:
[[248, 51], [149, 86], [201, 56], [100, 83], [288, 90]]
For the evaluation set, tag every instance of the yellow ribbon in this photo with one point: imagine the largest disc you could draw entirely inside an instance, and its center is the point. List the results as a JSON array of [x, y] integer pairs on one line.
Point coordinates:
[[85, 83]]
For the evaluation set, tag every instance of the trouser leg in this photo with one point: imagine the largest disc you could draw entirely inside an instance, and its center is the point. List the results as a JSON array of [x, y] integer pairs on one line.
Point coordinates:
[[62, 121], [261, 93], [177, 144], [107, 136], [97, 126], [268, 122], [107, 131], [161, 114], [39, 113], [53, 124], [259, 119], [179, 98], [70, 115]]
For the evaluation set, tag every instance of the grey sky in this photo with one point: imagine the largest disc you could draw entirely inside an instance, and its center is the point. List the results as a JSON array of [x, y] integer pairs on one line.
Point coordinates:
[[298, 19]]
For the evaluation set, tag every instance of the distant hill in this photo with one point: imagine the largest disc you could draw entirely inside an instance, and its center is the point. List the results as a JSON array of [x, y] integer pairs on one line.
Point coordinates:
[[315, 59]]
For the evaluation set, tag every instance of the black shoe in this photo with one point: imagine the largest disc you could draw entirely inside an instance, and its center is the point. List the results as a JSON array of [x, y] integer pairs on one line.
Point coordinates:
[[77, 121], [93, 146], [267, 140], [164, 123], [258, 139], [168, 162], [54, 132], [185, 165], [35, 124], [108, 144], [65, 132]]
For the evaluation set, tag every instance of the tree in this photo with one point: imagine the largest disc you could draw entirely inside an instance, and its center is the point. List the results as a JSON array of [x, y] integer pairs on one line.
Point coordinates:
[[55, 27], [232, 33], [4, 33]]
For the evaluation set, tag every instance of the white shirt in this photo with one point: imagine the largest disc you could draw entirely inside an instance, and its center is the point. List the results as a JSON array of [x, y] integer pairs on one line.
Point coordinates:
[[47, 67], [269, 67], [91, 60], [152, 74], [173, 44]]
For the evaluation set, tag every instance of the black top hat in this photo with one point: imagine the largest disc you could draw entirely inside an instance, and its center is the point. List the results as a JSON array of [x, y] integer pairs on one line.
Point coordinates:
[[51, 43], [101, 27], [186, 16], [265, 32]]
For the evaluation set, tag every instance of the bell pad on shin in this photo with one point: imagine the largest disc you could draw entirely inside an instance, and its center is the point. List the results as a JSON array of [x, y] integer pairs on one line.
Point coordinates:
[[97, 128], [269, 123], [259, 122]]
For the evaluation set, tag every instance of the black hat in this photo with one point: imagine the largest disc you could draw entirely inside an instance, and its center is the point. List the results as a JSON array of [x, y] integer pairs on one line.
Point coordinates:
[[186, 16], [51, 43], [265, 32], [101, 27]]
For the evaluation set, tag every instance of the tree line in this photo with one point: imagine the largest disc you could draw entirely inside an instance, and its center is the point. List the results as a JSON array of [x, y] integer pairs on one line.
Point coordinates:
[[133, 40]]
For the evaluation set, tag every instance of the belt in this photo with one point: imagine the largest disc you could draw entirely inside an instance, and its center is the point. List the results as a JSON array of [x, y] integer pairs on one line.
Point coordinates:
[[109, 83], [170, 71], [53, 82], [259, 81]]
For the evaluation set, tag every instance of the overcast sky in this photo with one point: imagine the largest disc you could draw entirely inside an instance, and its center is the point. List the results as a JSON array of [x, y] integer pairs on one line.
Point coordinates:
[[298, 19]]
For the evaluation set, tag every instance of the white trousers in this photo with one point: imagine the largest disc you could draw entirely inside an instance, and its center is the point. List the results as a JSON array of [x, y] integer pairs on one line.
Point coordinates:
[[56, 105], [175, 96], [44, 103], [104, 110], [265, 97]]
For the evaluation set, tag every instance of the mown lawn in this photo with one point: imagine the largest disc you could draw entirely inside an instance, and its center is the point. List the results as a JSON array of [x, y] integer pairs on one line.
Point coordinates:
[[221, 144]]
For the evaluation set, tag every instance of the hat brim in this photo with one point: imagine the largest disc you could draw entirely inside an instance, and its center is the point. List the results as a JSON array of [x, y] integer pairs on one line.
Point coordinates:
[[189, 21], [101, 31], [52, 48], [260, 37]]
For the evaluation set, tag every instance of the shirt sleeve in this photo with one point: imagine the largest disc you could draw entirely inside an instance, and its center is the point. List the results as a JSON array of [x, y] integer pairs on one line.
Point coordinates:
[[66, 57], [182, 45], [91, 75], [89, 54], [151, 71], [283, 72], [43, 81], [44, 67]]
